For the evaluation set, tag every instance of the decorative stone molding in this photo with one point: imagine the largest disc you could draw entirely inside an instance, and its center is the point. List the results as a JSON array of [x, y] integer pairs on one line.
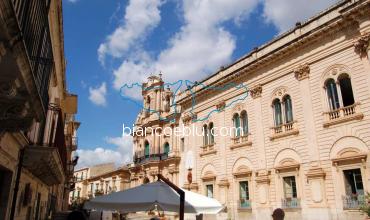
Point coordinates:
[[242, 171], [256, 91], [264, 179], [362, 45], [302, 72], [189, 117], [209, 176], [287, 165], [223, 183], [349, 155], [221, 105], [315, 173], [279, 93]]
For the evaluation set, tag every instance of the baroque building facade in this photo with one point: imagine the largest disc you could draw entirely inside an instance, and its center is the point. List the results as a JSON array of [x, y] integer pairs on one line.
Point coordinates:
[[99, 180], [38, 130], [299, 140]]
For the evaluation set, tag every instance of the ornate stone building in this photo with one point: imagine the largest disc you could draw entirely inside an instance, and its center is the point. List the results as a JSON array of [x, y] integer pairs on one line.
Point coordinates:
[[99, 180], [154, 149], [301, 137], [37, 125]]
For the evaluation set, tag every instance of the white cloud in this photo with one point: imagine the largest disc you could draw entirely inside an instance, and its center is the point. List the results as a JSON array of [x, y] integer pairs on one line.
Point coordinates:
[[200, 47], [141, 16], [121, 155], [285, 13], [73, 1], [98, 95]]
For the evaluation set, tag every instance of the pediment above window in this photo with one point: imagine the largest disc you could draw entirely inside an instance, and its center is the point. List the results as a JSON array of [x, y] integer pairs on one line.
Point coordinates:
[[209, 176], [287, 165], [348, 156], [242, 171]]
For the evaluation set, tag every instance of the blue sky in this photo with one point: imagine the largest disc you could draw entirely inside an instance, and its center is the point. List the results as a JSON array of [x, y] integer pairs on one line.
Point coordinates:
[[109, 43]]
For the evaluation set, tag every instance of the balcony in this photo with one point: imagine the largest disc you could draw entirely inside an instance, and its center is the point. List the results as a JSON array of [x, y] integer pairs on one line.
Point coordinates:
[[343, 114], [284, 130], [26, 63], [208, 149], [240, 141], [244, 204], [291, 203], [353, 201], [48, 161]]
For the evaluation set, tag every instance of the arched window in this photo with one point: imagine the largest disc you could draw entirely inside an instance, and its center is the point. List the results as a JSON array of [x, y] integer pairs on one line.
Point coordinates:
[[244, 119], [236, 121], [277, 112], [331, 90], [211, 134], [166, 148], [346, 90], [147, 149], [205, 135], [288, 109]]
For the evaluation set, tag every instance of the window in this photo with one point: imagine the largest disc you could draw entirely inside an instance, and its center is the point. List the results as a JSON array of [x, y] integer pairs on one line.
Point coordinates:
[[211, 134], [166, 148], [244, 119], [290, 188], [353, 182], [288, 109], [205, 135], [147, 149], [209, 190], [346, 90], [277, 112], [236, 121], [331, 90], [354, 189], [244, 194]]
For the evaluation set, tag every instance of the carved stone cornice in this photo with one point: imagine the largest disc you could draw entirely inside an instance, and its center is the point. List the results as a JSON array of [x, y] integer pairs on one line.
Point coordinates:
[[362, 44], [256, 91], [302, 72]]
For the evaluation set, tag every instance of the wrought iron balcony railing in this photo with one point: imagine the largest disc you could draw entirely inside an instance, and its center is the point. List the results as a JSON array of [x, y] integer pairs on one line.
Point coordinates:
[[291, 203], [353, 201], [244, 203], [33, 21]]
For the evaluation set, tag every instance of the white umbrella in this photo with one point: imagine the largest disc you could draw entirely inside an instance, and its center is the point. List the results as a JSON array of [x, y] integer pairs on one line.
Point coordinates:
[[146, 196]]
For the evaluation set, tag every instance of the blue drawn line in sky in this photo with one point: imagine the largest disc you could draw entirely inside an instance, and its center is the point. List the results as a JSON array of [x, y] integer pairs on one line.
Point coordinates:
[[189, 86], [223, 88], [140, 105]]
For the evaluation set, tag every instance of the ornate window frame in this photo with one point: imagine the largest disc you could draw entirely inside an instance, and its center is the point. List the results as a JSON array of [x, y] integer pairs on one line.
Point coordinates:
[[341, 114], [284, 129]]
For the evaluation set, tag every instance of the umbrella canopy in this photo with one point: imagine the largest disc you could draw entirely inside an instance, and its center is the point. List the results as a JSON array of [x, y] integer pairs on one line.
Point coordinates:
[[146, 196]]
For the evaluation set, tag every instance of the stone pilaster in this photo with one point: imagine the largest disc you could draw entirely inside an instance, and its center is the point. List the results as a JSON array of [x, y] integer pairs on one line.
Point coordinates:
[[302, 75], [256, 93]]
